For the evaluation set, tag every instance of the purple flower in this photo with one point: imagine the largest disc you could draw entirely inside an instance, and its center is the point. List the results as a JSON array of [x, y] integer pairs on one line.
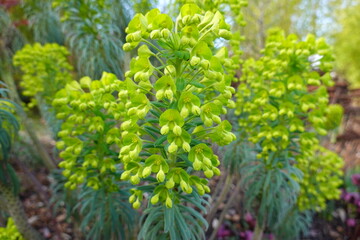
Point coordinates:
[[343, 194], [356, 179], [249, 235], [250, 220], [351, 222], [352, 197], [223, 232]]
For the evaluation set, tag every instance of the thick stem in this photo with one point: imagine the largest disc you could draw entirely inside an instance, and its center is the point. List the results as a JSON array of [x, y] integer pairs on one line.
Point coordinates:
[[258, 232], [44, 155], [16, 211], [233, 196]]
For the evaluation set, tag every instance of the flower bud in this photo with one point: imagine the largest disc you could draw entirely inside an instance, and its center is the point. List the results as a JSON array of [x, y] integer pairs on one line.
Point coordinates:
[[164, 130], [173, 147], [136, 204], [146, 172], [160, 176], [132, 198], [186, 147], [170, 183], [155, 34], [184, 112], [135, 180], [125, 175], [208, 173], [165, 33], [195, 110], [155, 199], [127, 47], [197, 165], [205, 64], [177, 130], [168, 202], [194, 61]]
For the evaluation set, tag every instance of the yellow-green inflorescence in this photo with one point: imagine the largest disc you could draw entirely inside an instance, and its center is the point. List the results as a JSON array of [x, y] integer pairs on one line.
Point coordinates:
[[10, 232], [162, 117], [90, 135], [234, 9], [45, 70], [283, 105], [322, 171]]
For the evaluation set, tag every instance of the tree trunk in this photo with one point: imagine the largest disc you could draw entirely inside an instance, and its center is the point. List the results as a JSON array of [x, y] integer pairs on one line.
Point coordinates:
[[16, 211]]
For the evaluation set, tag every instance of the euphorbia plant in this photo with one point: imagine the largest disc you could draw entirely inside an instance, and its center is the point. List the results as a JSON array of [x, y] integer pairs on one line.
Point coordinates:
[[283, 107], [160, 122], [45, 71]]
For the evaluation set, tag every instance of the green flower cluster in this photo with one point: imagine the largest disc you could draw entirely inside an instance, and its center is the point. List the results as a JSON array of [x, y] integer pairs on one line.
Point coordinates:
[[322, 177], [160, 119], [232, 8], [274, 97], [175, 107], [89, 136], [10, 232], [283, 105], [45, 70]]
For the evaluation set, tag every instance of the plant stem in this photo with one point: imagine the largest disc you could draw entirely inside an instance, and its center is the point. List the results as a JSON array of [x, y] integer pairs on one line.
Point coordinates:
[[16, 211], [258, 232], [233, 196], [220, 199]]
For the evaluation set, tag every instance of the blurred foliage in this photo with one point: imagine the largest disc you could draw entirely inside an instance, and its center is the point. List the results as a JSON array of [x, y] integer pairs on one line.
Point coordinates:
[[99, 214], [321, 180], [9, 128], [45, 70], [106, 215], [175, 221], [143, 6], [260, 16], [43, 21], [94, 33], [347, 42], [11, 40]]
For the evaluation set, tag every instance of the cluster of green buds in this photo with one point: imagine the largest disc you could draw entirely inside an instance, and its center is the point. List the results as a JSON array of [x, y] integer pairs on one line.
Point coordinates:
[[173, 110], [232, 8], [322, 177], [282, 96], [45, 70], [90, 134]]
